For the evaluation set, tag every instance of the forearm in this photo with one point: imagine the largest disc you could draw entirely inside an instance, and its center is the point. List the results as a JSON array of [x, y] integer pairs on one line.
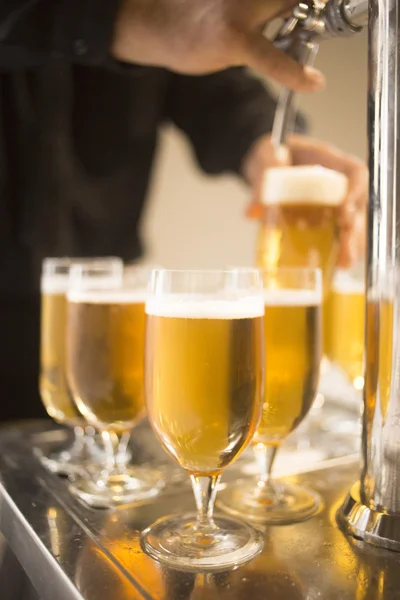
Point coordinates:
[[34, 32]]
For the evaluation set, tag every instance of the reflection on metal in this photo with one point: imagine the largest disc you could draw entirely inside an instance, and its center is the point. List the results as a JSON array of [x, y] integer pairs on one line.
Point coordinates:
[[72, 552], [372, 509], [374, 526]]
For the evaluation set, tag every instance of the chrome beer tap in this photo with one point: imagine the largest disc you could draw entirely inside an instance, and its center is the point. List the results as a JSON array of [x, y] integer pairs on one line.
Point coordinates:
[[300, 35]]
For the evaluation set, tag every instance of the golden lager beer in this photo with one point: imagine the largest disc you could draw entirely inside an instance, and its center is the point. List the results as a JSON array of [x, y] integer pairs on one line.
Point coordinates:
[[299, 224], [347, 324], [105, 356], [385, 354], [292, 330], [204, 377], [379, 357], [53, 383], [371, 359]]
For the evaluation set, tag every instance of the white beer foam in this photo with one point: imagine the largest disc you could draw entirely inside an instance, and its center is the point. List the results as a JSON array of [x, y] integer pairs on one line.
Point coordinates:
[[54, 284], [303, 184], [292, 297], [344, 284], [107, 296], [192, 307]]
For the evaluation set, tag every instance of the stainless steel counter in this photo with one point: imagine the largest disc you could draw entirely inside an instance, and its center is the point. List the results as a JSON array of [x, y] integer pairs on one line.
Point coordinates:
[[72, 552]]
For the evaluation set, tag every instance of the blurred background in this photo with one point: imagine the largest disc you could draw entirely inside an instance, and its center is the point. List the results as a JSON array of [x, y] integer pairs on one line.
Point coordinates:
[[192, 212]]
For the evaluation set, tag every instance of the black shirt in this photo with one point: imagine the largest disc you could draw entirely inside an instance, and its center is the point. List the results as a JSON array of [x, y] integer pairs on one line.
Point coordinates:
[[78, 134]]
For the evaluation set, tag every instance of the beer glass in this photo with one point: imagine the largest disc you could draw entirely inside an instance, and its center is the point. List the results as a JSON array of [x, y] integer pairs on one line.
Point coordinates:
[[299, 221], [204, 368], [105, 370], [299, 228], [292, 331], [346, 326], [53, 382]]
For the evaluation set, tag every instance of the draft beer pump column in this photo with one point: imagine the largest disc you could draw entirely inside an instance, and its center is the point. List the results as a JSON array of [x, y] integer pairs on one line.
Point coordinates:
[[372, 508]]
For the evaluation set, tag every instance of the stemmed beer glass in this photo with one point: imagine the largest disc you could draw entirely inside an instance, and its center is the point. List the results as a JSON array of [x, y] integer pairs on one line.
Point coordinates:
[[53, 387], [293, 353], [105, 370], [204, 371], [347, 315]]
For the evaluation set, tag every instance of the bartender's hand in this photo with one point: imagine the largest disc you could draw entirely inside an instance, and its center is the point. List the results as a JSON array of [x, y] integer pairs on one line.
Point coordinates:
[[204, 36], [302, 150]]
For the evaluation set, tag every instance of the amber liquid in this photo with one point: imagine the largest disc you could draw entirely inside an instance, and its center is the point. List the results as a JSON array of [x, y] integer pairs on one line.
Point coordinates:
[[105, 359], [347, 333], [379, 357], [301, 235], [53, 381], [293, 355], [204, 384]]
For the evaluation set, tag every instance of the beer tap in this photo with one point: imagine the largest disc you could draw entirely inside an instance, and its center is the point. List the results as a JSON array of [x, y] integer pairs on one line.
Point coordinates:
[[371, 511], [300, 35]]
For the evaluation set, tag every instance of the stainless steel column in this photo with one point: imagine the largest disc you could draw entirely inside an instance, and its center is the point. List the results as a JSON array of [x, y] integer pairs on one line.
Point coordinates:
[[372, 508]]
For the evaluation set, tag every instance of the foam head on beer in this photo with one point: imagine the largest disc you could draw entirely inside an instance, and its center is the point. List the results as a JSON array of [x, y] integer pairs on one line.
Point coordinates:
[[305, 184], [292, 297], [189, 307], [344, 283]]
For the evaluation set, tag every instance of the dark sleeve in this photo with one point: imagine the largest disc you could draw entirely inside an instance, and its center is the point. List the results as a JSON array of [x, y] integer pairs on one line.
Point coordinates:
[[33, 32], [223, 115]]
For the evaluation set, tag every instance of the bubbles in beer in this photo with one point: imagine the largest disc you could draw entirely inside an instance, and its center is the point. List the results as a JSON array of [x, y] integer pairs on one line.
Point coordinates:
[[292, 325], [204, 376], [105, 356]]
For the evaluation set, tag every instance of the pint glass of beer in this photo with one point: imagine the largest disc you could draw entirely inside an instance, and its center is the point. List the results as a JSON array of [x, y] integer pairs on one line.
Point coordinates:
[[204, 385], [105, 371], [54, 391], [299, 221], [292, 332], [346, 309]]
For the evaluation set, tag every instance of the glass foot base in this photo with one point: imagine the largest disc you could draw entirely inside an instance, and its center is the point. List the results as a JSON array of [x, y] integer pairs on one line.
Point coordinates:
[[61, 464], [290, 503], [133, 486], [74, 460], [175, 542]]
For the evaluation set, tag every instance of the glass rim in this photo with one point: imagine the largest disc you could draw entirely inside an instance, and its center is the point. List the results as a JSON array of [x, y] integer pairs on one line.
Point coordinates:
[[207, 271], [282, 269], [69, 262], [104, 283], [316, 272], [57, 277]]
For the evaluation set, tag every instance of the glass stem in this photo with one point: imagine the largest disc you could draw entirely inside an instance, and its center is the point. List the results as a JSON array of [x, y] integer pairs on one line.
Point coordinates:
[[75, 452], [115, 445], [265, 456], [122, 449], [79, 442], [205, 492]]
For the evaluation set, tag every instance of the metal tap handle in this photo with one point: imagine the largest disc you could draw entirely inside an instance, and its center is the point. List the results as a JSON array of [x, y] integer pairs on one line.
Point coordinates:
[[285, 111], [292, 38], [299, 36]]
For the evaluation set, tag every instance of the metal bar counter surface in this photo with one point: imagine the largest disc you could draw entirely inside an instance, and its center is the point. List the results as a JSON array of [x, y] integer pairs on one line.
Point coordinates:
[[72, 552]]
